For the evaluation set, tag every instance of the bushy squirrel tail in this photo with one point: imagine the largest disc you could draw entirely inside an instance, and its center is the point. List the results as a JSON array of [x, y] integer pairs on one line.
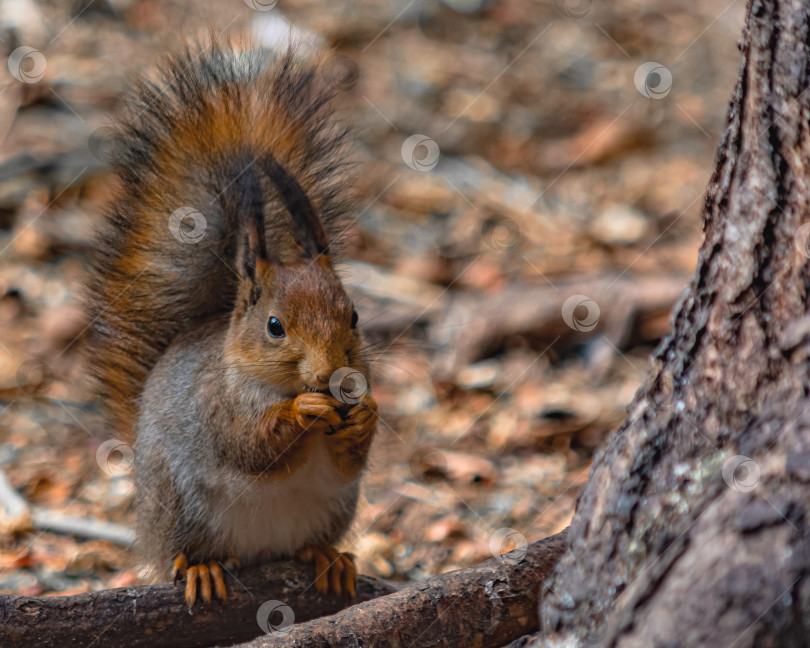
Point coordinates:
[[167, 247]]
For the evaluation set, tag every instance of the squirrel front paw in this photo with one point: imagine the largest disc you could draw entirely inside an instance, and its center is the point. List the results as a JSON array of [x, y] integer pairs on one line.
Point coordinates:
[[206, 573], [348, 427], [317, 412], [359, 420], [349, 443], [335, 571]]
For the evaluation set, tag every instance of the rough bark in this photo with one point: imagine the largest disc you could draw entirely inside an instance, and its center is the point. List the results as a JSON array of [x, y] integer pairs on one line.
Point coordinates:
[[155, 616], [484, 606], [664, 550]]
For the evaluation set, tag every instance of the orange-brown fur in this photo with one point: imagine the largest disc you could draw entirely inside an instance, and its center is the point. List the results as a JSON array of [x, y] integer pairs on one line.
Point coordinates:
[[145, 289], [221, 409]]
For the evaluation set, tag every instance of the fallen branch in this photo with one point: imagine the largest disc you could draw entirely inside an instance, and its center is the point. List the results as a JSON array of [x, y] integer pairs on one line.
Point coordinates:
[[486, 606], [17, 516], [156, 616], [472, 326]]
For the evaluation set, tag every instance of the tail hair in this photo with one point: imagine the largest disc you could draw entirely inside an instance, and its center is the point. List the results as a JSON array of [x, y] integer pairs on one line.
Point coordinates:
[[194, 149]]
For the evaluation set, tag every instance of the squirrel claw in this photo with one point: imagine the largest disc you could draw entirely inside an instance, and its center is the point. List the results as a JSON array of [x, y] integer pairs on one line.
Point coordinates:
[[191, 586], [206, 574], [205, 583], [180, 567], [335, 570], [219, 581]]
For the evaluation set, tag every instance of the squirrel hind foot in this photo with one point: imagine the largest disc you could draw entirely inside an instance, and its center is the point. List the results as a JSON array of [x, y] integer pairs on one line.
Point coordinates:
[[207, 574], [335, 571]]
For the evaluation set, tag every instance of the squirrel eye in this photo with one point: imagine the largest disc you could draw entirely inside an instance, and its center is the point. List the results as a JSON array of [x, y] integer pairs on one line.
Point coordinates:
[[354, 319], [274, 328]]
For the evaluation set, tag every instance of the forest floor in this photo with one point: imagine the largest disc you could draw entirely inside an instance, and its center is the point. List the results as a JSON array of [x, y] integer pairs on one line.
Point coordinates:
[[515, 289]]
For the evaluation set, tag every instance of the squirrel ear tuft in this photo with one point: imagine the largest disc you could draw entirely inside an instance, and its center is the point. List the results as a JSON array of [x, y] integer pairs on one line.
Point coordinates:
[[254, 268], [307, 229], [251, 252]]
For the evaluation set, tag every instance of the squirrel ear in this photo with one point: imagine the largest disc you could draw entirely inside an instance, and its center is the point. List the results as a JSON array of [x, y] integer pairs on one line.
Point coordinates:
[[307, 229], [255, 270], [251, 254]]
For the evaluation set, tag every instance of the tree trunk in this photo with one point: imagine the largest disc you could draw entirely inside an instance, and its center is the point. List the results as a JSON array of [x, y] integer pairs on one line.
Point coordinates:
[[692, 530]]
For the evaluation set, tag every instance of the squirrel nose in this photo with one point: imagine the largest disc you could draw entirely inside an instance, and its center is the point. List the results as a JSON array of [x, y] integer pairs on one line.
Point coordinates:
[[322, 370]]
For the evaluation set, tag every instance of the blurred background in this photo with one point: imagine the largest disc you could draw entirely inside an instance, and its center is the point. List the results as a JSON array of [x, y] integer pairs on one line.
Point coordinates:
[[531, 175]]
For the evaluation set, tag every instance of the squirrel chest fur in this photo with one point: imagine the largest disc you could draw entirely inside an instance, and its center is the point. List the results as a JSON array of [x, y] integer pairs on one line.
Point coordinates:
[[246, 512], [221, 332]]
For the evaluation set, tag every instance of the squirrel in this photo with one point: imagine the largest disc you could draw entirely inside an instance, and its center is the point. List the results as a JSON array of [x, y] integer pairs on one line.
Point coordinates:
[[219, 326]]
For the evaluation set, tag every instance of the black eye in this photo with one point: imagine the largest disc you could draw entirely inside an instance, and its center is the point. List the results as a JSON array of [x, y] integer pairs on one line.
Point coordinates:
[[274, 328], [354, 319]]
